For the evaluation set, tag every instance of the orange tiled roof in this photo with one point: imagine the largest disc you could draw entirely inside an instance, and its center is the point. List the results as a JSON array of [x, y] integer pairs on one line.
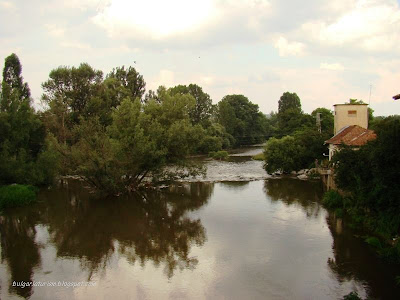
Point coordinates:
[[353, 135]]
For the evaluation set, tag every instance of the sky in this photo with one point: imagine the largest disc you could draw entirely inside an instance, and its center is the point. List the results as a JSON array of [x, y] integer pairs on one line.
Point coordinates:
[[325, 51]]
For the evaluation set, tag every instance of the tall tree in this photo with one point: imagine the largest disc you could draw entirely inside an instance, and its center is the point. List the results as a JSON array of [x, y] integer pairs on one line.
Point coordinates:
[[68, 92], [289, 101], [130, 80], [12, 84], [326, 117], [201, 112], [22, 141], [242, 119]]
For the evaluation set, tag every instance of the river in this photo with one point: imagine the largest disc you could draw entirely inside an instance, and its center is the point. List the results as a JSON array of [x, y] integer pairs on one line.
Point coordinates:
[[235, 234]]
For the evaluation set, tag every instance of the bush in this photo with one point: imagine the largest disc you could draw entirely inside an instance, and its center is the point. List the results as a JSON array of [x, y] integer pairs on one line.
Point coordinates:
[[332, 200], [352, 296], [17, 195], [221, 155]]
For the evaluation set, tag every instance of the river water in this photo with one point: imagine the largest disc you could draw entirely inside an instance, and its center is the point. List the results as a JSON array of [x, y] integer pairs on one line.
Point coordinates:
[[252, 237]]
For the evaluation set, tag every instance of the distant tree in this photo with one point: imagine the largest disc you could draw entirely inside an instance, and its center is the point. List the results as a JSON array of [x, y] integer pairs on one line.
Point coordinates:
[[282, 154], [12, 87], [289, 101], [132, 82], [24, 157], [201, 113], [242, 119], [327, 119], [68, 93]]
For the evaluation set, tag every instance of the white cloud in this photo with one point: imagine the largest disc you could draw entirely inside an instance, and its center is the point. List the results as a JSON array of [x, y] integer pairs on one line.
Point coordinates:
[[153, 18], [333, 67], [165, 78], [7, 5], [371, 25], [54, 30], [76, 45], [287, 48]]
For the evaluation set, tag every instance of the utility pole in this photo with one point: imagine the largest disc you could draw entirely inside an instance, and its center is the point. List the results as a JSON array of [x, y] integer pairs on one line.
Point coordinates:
[[318, 117]]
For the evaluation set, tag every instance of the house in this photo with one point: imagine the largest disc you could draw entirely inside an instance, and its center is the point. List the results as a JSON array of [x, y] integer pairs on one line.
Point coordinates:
[[351, 135], [350, 127]]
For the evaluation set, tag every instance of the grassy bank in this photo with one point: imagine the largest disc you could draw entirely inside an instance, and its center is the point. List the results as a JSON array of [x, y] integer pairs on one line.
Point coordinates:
[[17, 195]]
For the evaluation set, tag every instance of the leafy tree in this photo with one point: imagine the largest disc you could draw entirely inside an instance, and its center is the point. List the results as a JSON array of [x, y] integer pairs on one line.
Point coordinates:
[[23, 152], [371, 176], [13, 87], [289, 101], [201, 112], [282, 154], [327, 120], [131, 83], [69, 91], [242, 119]]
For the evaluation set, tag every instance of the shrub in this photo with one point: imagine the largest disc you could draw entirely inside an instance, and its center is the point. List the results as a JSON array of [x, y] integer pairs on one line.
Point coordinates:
[[221, 155], [332, 199], [17, 195]]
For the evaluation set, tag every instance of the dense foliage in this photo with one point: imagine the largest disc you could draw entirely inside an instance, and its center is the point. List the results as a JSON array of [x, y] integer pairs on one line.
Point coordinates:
[[298, 139], [370, 174], [25, 155], [242, 119]]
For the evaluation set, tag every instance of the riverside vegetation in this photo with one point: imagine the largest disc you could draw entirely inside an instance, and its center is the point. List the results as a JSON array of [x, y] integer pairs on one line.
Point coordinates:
[[108, 131]]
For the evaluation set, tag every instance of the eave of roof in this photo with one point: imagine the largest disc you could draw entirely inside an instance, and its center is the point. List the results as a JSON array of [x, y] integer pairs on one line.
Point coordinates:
[[353, 135]]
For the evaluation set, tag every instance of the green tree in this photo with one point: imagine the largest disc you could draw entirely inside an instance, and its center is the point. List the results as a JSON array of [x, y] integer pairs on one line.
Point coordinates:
[[327, 119], [71, 90], [24, 155], [289, 101], [201, 112], [131, 83], [242, 119], [282, 154], [13, 88]]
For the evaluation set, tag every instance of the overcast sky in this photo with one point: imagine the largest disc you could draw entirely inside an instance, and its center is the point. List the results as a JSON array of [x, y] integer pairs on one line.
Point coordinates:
[[325, 51]]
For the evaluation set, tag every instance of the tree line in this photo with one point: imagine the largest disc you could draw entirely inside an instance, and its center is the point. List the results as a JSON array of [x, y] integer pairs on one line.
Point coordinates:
[[110, 131]]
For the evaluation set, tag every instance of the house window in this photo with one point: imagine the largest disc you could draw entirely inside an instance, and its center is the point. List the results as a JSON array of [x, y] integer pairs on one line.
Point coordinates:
[[352, 113]]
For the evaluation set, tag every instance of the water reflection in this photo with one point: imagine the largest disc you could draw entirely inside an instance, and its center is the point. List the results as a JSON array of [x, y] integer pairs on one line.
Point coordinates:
[[352, 260], [18, 248], [292, 191], [151, 227]]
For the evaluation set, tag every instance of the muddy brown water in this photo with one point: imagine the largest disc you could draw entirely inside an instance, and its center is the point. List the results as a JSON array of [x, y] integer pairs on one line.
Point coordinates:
[[261, 239]]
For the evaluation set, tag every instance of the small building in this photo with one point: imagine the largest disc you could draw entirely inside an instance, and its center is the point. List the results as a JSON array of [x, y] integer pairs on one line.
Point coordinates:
[[350, 114], [351, 135]]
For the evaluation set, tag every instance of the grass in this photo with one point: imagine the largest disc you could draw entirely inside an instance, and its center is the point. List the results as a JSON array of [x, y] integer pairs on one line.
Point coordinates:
[[221, 155], [259, 156], [17, 195]]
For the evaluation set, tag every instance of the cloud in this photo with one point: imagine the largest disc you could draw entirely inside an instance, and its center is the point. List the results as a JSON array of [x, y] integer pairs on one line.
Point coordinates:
[[287, 48], [54, 30], [370, 25], [7, 5], [153, 18], [76, 45], [333, 67]]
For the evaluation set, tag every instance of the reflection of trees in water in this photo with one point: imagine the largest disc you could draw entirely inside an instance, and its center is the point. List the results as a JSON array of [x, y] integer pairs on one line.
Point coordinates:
[[18, 248], [235, 185], [153, 227], [293, 191], [353, 261]]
